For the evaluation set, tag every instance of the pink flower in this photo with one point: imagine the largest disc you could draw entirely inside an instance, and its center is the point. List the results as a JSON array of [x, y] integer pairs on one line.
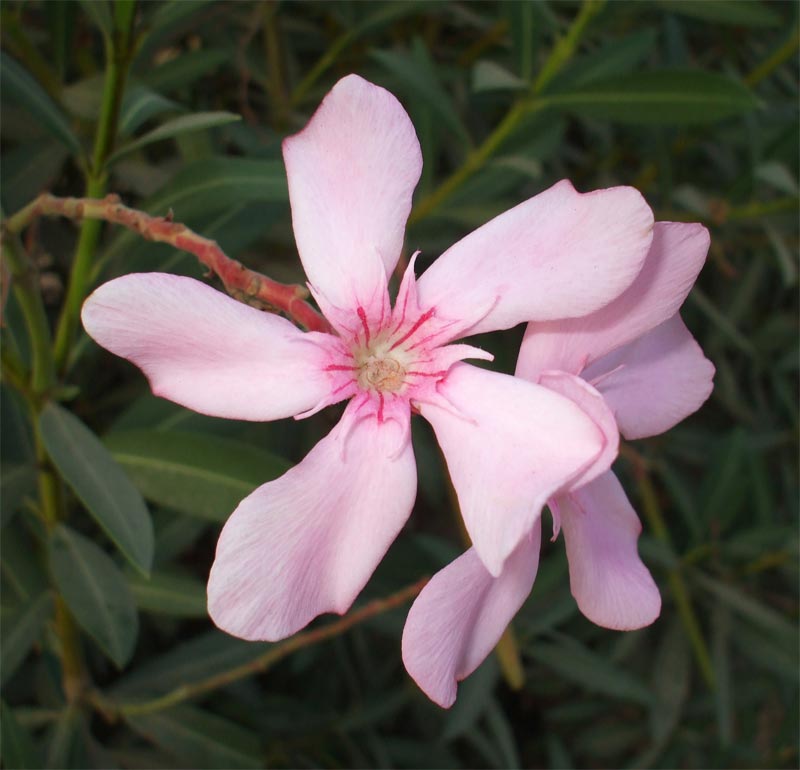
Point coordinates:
[[308, 542], [632, 364]]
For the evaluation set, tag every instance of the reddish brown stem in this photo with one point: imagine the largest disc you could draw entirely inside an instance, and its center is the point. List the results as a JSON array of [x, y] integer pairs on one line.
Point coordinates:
[[240, 282]]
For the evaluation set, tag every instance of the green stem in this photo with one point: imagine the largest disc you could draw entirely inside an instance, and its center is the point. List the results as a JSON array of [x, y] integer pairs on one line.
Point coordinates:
[[118, 56], [680, 593], [525, 106]]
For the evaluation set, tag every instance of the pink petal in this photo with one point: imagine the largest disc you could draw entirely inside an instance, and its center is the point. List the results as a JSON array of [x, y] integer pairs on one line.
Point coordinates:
[[673, 263], [587, 398], [509, 446], [308, 542], [560, 254], [460, 616], [352, 171], [206, 351], [656, 381], [607, 578]]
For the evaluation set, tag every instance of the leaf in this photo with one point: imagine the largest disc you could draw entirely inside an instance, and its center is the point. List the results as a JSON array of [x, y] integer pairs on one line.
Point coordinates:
[[100, 14], [186, 69], [65, 740], [141, 103], [750, 609], [591, 671], [199, 739], [166, 594], [18, 752], [20, 87], [196, 474], [615, 58], [747, 13], [488, 75], [100, 483], [659, 97], [183, 124], [96, 592], [17, 482], [188, 662], [21, 631], [419, 75]]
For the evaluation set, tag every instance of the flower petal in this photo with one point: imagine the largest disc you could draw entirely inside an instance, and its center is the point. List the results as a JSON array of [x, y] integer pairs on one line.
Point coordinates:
[[655, 381], [607, 578], [509, 446], [352, 171], [460, 616], [560, 254], [587, 398], [206, 351], [308, 542], [673, 263]]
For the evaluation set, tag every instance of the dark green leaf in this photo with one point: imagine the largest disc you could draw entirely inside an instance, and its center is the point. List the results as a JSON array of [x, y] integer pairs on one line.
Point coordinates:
[[196, 474], [18, 86], [490, 76], [662, 97], [96, 592], [18, 751], [184, 70], [199, 739], [416, 71], [65, 740], [198, 121], [99, 12], [100, 483], [166, 594], [591, 671], [190, 661], [747, 13], [20, 631], [139, 105]]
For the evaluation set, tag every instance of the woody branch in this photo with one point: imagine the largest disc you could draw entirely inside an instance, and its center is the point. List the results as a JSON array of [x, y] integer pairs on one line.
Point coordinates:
[[241, 282]]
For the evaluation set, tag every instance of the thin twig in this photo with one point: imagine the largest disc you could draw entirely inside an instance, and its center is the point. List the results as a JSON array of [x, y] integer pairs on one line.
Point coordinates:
[[242, 283], [112, 710]]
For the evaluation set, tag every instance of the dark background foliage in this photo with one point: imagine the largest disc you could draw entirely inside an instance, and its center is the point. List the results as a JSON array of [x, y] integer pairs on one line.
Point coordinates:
[[694, 103]]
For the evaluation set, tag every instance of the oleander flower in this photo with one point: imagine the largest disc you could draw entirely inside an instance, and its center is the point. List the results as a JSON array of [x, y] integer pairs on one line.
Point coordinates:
[[633, 364], [307, 543]]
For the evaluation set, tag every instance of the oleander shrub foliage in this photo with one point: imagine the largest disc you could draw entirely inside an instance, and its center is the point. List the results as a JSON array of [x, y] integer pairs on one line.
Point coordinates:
[[113, 499]]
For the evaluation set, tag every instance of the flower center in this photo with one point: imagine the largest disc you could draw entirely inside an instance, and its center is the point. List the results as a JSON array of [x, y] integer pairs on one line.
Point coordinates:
[[380, 371]]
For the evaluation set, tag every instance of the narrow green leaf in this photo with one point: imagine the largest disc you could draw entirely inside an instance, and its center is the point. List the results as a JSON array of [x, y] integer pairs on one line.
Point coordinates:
[[200, 739], [100, 483], [19, 632], [750, 609], [165, 594], [99, 12], [96, 592], [188, 662], [746, 13], [591, 671], [183, 70], [661, 97], [65, 740], [183, 124], [615, 58], [20, 87], [196, 474], [141, 103], [18, 750], [416, 71], [488, 75]]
